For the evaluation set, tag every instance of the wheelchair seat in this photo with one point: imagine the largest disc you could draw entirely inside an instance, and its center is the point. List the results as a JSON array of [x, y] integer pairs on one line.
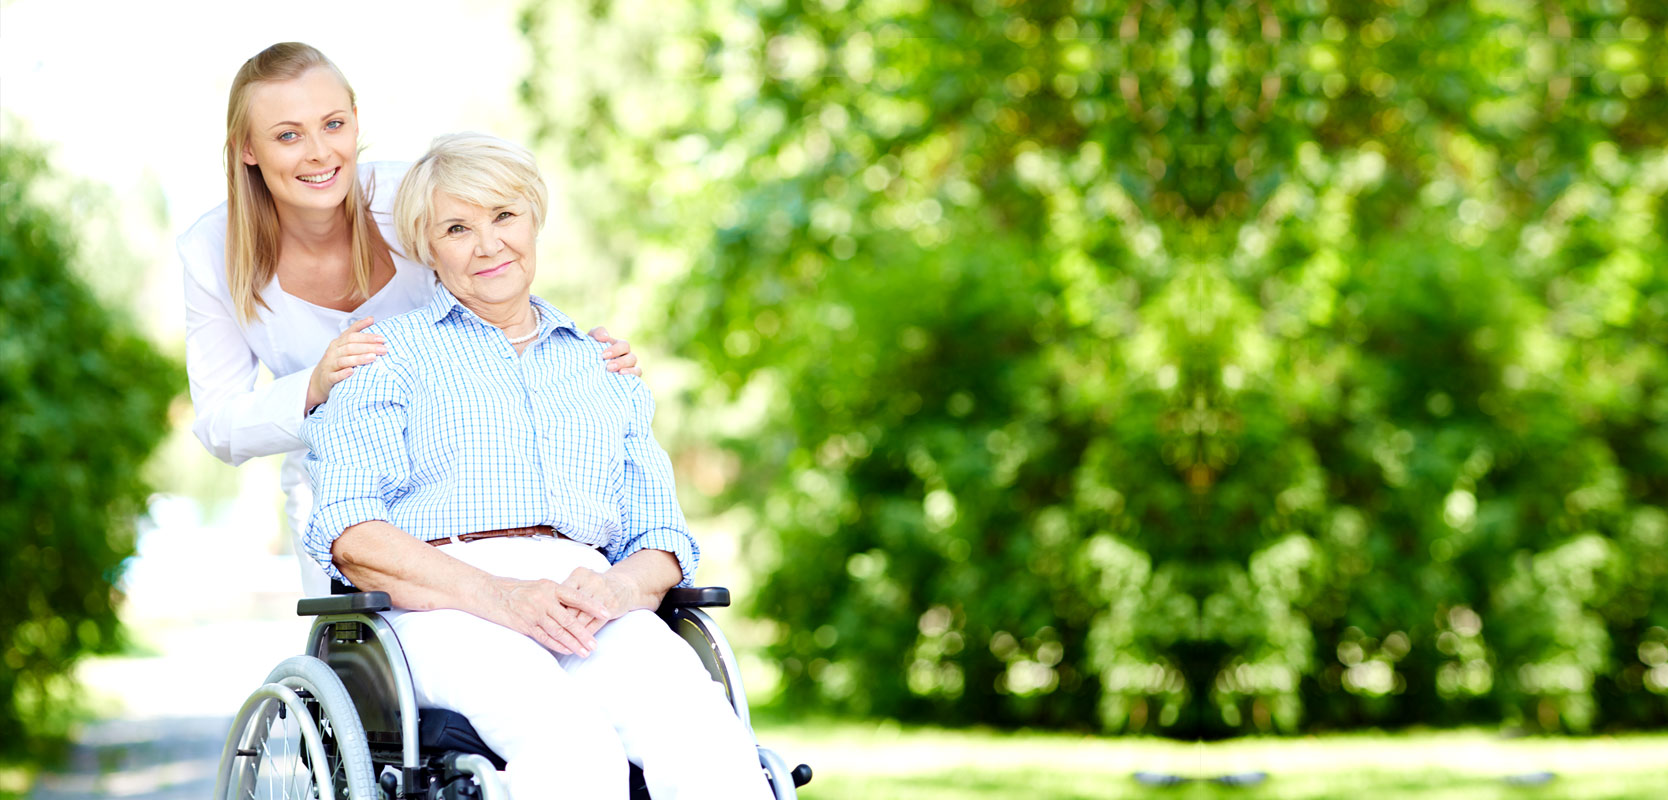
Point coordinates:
[[445, 730]]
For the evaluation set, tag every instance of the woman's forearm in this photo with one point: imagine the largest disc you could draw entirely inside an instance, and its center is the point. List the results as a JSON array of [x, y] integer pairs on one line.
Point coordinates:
[[236, 420], [237, 424], [650, 574], [377, 556]]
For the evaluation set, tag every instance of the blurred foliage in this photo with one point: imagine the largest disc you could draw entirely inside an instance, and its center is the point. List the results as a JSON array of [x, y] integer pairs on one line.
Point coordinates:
[[1196, 368], [83, 399]]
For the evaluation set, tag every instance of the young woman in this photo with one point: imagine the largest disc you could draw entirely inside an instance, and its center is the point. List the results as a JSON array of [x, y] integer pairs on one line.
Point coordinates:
[[293, 267]]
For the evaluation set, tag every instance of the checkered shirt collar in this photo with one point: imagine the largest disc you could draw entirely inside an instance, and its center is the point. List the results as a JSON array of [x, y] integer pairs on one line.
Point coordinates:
[[443, 305]]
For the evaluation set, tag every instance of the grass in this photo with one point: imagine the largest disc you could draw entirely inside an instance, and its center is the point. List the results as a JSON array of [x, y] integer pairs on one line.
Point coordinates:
[[885, 760]]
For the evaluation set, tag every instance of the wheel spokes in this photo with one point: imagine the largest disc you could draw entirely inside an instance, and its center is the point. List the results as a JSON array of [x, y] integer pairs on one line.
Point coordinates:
[[281, 769], [287, 769]]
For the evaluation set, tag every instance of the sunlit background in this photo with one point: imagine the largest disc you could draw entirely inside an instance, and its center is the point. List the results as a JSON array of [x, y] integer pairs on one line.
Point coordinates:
[[1056, 383]]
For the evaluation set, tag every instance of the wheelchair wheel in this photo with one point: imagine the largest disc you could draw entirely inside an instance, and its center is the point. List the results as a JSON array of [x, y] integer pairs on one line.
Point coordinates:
[[298, 736]]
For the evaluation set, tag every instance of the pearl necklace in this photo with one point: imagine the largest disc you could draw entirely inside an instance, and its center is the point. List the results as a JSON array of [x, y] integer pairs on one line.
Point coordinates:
[[529, 337]]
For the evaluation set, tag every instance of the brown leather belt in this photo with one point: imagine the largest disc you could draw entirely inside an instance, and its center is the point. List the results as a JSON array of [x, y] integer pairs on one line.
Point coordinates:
[[536, 530]]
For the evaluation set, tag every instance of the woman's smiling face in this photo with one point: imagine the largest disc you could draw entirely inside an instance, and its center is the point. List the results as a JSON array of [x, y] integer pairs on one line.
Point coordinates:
[[484, 256], [304, 136]]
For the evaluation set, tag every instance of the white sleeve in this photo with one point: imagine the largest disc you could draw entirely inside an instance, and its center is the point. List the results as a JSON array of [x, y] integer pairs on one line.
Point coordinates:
[[235, 421]]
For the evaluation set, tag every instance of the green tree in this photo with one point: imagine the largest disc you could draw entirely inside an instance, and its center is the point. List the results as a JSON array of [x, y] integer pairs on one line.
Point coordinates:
[[84, 399], [1203, 367]]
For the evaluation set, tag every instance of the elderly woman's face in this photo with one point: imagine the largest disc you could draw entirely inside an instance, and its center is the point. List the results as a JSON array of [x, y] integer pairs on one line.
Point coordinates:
[[484, 256]]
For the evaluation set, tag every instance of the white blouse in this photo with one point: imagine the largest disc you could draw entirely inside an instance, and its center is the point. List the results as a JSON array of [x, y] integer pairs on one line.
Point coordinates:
[[236, 420]]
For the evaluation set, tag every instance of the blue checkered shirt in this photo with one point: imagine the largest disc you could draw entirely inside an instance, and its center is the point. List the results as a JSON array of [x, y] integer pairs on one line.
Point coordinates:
[[452, 433]]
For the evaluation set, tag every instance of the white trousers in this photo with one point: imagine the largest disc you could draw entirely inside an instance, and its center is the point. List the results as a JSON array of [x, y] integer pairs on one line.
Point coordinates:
[[566, 725]]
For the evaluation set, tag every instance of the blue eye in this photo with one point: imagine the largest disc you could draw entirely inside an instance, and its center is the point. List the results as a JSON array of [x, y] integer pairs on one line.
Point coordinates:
[[333, 124], [288, 136]]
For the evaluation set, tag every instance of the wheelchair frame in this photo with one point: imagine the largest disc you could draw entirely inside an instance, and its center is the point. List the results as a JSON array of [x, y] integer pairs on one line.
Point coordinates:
[[354, 665]]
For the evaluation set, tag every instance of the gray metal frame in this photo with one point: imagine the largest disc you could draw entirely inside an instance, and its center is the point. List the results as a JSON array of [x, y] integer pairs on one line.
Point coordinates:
[[319, 641], [486, 775], [781, 778], [713, 648]]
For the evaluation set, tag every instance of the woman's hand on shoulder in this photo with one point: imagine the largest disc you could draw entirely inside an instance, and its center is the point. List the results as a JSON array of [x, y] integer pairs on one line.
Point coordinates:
[[354, 348], [618, 353]]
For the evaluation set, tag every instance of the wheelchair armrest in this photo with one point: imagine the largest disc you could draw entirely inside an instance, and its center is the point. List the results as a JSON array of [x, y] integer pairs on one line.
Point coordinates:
[[365, 602], [697, 597], [358, 602]]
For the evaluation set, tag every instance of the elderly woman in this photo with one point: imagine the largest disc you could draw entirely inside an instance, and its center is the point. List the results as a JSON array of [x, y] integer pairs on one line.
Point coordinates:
[[507, 492]]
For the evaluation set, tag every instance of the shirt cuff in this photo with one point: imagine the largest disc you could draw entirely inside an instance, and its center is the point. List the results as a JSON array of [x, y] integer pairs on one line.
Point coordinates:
[[328, 524], [678, 543], [286, 401]]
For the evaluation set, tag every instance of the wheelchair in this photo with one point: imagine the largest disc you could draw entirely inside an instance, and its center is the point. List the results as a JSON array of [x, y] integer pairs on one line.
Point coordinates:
[[342, 720]]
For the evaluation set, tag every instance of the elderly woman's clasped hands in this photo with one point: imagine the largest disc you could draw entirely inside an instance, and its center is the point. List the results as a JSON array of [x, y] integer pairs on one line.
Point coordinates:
[[565, 616]]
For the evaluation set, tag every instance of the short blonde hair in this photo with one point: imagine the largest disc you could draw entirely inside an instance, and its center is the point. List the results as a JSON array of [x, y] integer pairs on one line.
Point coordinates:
[[478, 169]]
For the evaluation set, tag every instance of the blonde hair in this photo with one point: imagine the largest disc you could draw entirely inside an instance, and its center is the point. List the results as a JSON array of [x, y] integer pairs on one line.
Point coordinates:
[[478, 169], [252, 242]]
